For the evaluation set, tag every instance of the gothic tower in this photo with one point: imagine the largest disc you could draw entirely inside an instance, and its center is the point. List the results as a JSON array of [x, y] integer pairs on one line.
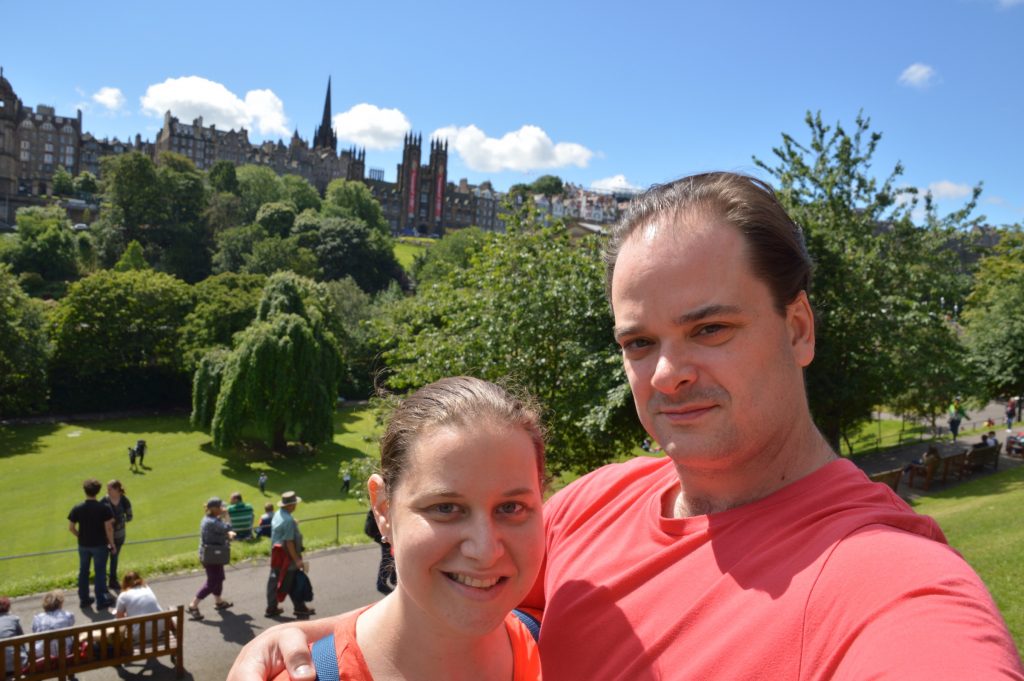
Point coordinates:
[[324, 138], [9, 166], [438, 171], [411, 213]]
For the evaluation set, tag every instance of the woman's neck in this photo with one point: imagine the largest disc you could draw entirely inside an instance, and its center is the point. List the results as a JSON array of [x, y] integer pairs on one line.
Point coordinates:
[[399, 646]]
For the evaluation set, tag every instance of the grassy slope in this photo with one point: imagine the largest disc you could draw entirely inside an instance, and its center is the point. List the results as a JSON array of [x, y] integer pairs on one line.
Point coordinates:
[[407, 249], [43, 466], [981, 519]]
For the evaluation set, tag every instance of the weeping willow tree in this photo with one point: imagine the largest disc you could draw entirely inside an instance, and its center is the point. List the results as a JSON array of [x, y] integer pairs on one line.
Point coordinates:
[[279, 382]]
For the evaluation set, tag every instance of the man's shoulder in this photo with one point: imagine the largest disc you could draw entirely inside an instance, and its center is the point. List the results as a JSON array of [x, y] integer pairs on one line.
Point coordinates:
[[628, 480]]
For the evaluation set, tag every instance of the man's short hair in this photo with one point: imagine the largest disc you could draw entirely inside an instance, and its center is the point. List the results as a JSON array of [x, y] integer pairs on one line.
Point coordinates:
[[778, 254], [92, 487], [236, 497]]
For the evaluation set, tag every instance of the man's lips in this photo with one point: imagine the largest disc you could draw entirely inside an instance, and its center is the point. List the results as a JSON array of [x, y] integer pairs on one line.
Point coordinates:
[[685, 413]]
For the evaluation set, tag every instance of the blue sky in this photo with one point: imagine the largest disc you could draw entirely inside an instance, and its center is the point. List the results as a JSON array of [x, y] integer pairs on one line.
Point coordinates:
[[602, 94]]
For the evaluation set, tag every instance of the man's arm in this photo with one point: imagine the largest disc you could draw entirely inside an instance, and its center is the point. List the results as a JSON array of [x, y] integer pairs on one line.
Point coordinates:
[[108, 528], [280, 648], [289, 545], [72, 527]]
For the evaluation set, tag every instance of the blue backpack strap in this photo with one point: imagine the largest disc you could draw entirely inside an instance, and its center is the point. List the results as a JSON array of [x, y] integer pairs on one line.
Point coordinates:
[[325, 660], [529, 621]]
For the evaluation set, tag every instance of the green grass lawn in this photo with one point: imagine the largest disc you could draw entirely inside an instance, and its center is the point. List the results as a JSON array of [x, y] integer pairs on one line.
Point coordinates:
[[407, 248], [876, 435], [981, 519], [43, 466]]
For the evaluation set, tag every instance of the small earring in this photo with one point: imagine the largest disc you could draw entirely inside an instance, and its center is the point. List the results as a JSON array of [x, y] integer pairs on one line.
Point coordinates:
[[383, 539]]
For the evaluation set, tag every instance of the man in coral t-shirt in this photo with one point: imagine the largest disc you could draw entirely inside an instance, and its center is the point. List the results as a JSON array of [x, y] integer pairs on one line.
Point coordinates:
[[750, 551]]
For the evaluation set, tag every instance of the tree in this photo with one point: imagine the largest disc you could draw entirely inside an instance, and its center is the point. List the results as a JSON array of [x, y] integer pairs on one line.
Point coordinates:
[[349, 312], [63, 185], [133, 193], [222, 177], [183, 242], [532, 307], [300, 193], [44, 244], [548, 186], [115, 339], [995, 325], [225, 304], [275, 254], [222, 212], [132, 259], [348, 247], [280, 381], [877, 275], [23, 350], [352, 199], [256, 185], [234, 244], [277, 217], [453, 252], [86, 184]]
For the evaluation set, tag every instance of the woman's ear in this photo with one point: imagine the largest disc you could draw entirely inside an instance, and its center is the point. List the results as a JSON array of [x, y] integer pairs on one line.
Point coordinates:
[[379, 503]]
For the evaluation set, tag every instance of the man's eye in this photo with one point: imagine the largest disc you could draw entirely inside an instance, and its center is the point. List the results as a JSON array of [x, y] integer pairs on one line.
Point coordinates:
[[710, 329], [636, 344], [511, 508]]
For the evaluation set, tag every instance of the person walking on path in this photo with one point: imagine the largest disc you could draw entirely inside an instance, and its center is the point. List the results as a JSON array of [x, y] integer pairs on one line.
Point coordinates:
[[241, 515], [285, 559], [214, 554], [93, 524], [956, 416], [1011, 411], [386, 575], [119, 505]]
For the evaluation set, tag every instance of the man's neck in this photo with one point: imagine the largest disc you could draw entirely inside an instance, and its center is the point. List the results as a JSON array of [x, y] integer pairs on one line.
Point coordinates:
[[704, 491]]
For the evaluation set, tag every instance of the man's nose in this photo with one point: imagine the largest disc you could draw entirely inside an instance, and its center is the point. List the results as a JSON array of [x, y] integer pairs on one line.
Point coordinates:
[[674, 368]]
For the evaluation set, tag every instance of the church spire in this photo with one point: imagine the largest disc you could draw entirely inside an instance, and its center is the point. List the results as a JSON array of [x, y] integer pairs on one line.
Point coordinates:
[[324, 137]]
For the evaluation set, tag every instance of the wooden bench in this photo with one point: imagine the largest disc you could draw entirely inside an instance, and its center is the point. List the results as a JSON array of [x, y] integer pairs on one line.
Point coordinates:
[[980, 457], [936, 467], [107, 643], [890, 477]]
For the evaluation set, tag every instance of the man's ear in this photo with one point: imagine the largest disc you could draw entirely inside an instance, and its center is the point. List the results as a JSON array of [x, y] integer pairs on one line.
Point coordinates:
[[379, 503], [800, 321]]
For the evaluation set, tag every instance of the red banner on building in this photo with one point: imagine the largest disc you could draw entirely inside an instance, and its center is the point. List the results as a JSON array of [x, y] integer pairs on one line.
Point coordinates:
[[439, 196], [414, 190]]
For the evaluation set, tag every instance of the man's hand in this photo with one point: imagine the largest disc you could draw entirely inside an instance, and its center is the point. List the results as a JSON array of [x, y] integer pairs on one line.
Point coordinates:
[[280, 648]]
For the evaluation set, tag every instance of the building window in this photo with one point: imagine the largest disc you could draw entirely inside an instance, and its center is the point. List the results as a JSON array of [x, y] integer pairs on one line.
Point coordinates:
[[47, 147], [47, 158], [25, 155], [25, 144]]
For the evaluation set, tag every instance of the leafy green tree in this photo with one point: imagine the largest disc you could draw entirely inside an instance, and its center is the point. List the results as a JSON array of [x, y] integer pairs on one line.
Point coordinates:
[[222, 178], [23, 350], [222, 212], [348, 247], [225, 304], [453, 252], [85, 184], [63, 185], [277, 217], [877, 275], [257, 185], [275, 254], [132, 193], [300, 193], [995, 325], [353, 199], [44, 244], [115, 339], [183, 242], [234, 244], [349, 311], [132, 259], [530, 306], [280, 381]]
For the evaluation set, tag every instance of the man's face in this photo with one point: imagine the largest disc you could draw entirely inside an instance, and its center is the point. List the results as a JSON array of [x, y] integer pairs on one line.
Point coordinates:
[[715, 369]]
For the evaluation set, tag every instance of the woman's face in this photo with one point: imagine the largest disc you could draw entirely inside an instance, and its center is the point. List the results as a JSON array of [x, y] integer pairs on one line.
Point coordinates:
[[465, 524], [113, 492]]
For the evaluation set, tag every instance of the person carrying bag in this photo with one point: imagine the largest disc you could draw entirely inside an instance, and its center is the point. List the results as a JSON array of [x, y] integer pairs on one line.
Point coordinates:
[[214, 554]]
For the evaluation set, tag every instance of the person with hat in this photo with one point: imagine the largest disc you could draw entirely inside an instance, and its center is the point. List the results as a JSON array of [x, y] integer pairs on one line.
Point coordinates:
[[286, 559], [214, 535]]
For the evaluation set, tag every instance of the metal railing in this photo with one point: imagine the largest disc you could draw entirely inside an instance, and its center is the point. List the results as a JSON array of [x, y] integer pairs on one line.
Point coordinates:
[[195, 537]]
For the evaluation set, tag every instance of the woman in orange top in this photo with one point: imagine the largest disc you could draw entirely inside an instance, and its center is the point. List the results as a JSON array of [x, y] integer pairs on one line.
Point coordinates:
[[459, 499]]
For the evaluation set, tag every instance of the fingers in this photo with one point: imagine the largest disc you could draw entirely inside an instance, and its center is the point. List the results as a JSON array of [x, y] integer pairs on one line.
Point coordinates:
[[278, 649]]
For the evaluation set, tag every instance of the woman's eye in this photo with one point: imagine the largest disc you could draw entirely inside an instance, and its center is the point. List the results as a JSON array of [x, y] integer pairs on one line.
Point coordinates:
[[445, 509]]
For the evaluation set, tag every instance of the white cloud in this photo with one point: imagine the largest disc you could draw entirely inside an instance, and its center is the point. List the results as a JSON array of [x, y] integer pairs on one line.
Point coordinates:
[[917, 75], [372, 126], [995, 200], [191, 96], [1010, 3], [613, 183], [109, 97], [944, 189], [525, 149]]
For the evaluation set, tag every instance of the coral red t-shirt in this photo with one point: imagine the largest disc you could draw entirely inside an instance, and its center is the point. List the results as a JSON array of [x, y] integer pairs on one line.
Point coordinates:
[[352, 665], [831, 577]]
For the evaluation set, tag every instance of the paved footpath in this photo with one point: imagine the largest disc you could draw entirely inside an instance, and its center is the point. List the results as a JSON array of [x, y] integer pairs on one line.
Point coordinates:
[[343, 579]]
